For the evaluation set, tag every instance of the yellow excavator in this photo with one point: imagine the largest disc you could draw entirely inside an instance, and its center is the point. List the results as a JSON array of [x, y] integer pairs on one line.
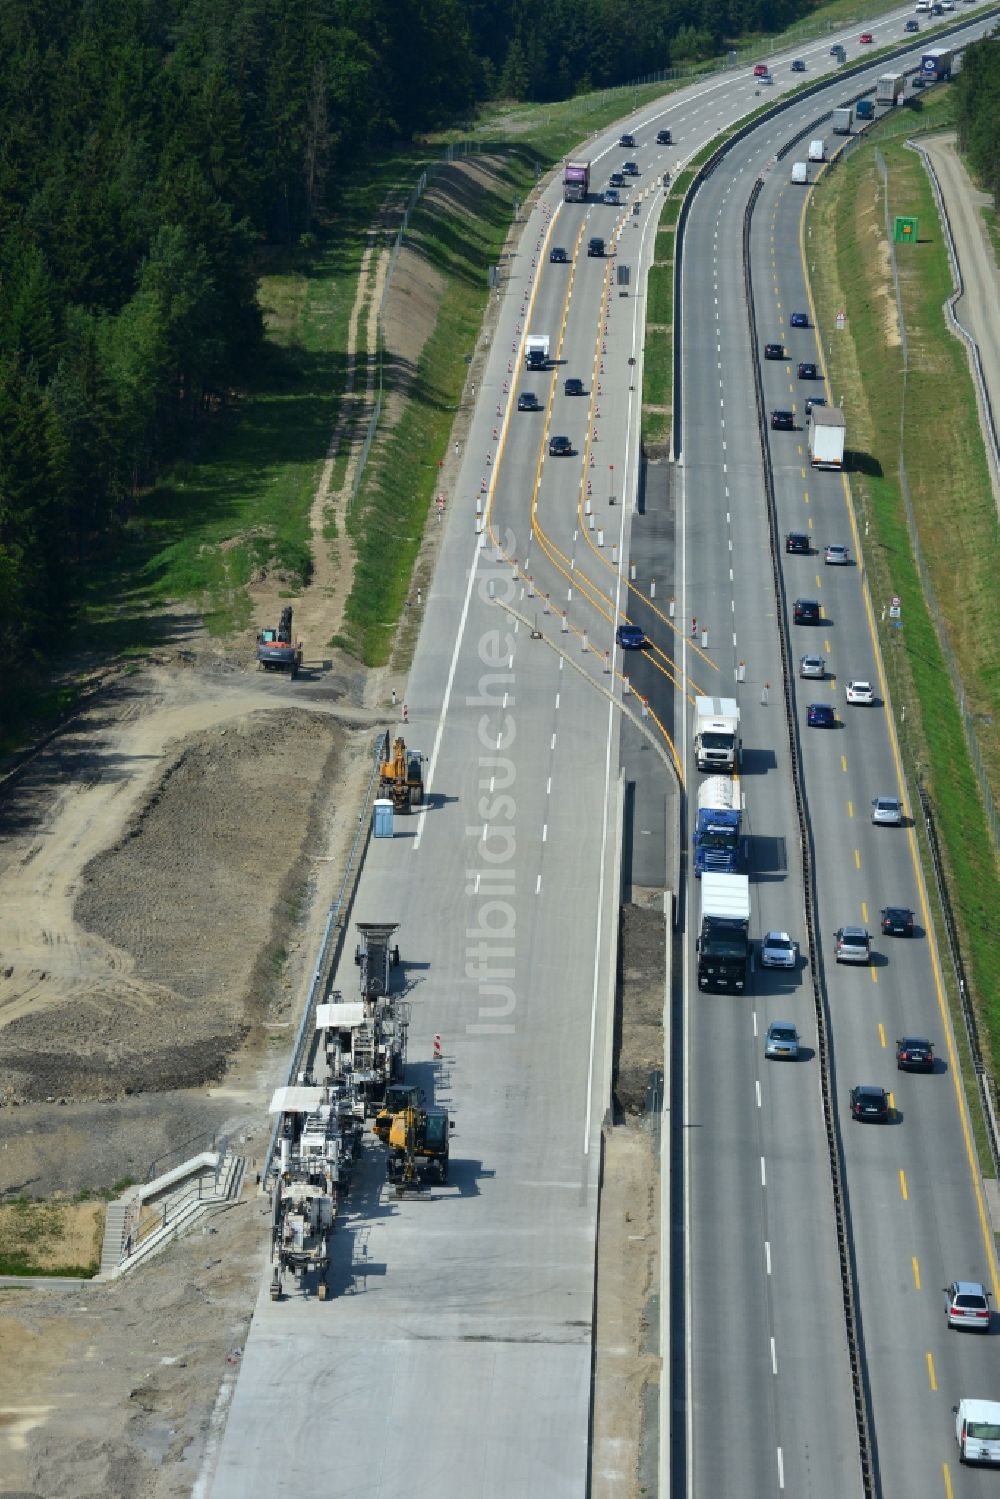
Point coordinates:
[[418, 1148], [402, 777], [398, 1098]]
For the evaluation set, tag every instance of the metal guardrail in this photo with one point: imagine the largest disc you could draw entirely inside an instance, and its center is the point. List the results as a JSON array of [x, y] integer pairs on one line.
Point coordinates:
[[333, 937], [850, 1294]]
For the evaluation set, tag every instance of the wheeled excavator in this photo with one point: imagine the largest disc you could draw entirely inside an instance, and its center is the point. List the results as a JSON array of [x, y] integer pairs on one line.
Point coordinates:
[[418, 1148], [402, 777]]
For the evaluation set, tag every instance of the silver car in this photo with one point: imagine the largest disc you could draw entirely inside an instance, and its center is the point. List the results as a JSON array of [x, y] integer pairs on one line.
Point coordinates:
[[777, 950], [852, 944], [967, 1306], [887, 810], [837, 556], [812, 666], [782, 1041]]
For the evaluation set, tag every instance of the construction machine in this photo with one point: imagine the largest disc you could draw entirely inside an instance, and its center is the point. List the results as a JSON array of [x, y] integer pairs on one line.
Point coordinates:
[[316, 1152], [364, 1042], [278, 650], [418, 1148], [402, 777], [399, 1097]]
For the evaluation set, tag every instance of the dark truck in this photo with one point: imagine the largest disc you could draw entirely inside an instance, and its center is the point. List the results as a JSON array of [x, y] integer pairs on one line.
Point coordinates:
[[724, 943]]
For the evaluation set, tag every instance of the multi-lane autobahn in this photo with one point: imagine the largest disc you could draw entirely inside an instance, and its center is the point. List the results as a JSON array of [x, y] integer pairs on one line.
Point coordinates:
[[454, 1356]]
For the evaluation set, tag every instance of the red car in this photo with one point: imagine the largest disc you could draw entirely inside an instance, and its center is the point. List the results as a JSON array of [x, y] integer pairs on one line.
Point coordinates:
[[761, 70], [866, 39]]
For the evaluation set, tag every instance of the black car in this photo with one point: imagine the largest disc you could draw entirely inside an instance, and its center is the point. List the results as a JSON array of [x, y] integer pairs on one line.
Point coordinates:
[[560, 447], [558, 255], [807, 371], [574, 387], [914, 1054], [897, 921], [628, 141], [630, 168], [806, 612], [664, 138], [912, 26], [919, 81], [797, 541], [612, 197], [528, 401], [774, 351], [870, 1104], [595, 246], [813, 401], [798, 66], [783, 421], [616, 180]]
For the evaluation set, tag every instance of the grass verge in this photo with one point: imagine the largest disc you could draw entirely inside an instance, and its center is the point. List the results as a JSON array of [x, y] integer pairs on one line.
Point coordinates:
[[952, 501], [50, 1238]]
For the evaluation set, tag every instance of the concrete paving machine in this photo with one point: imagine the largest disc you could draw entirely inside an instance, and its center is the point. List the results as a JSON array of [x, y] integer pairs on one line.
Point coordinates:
[[402, 777], [278, 650], [418, 1148], [317, 1147], [364, 1043]]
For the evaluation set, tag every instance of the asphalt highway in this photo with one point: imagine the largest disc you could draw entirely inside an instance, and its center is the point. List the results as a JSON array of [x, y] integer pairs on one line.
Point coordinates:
[[453, 1358]]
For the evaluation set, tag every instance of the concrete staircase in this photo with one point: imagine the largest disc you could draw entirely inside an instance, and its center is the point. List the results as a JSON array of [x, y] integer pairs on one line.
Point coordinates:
[[200, 1185]]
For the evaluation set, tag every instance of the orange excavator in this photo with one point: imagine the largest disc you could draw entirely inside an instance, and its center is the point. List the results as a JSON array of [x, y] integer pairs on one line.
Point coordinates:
[[277, 650], [402, 777]]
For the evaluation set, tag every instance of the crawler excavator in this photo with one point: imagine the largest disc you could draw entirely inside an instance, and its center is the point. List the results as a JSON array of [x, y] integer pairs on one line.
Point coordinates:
[[277, 650], [402, 777]]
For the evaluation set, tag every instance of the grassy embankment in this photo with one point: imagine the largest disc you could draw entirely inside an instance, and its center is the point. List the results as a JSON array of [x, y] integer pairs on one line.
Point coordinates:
[[953, 503], [50, 1238]]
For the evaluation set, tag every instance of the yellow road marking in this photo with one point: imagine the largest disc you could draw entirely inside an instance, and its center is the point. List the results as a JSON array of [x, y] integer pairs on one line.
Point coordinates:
[[916, 1272], [881, 1033], [946, 1475], [843, 763], [850, 809], [864, 912], [857, 858], [902, 1173], [930, 1370]]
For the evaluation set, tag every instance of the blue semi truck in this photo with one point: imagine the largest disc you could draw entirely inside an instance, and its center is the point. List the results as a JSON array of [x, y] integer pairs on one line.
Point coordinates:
[[717, 826]]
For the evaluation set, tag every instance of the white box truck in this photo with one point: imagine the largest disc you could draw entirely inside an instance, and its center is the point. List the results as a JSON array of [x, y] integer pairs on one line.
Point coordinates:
[[817, 150], [800, 173], [717, 733], [890, 89], [843, 119], [826, 437], [536, 351]]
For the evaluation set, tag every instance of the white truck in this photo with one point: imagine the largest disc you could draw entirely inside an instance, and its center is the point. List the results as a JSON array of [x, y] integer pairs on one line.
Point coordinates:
[[890, 89], [817, 150], [536, 351], [800, 173], [827, 431], [843, 119], [717, 733]]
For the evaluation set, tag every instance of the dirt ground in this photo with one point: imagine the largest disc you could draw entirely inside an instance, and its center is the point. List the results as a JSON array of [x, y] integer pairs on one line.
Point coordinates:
[[640, 1040], [108, 1391]]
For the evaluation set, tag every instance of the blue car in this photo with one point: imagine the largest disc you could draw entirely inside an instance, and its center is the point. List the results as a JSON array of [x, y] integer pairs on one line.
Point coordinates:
[[799, 320], [630, 637], [821, 716]]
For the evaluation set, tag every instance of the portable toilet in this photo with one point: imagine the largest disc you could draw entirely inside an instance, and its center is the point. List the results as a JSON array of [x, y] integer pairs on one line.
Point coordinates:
[[383, 817]]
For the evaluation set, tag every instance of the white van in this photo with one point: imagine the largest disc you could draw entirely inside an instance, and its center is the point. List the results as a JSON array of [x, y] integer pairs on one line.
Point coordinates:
[[977, 1430], [923, 5], [800, 172], [817, 150]]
